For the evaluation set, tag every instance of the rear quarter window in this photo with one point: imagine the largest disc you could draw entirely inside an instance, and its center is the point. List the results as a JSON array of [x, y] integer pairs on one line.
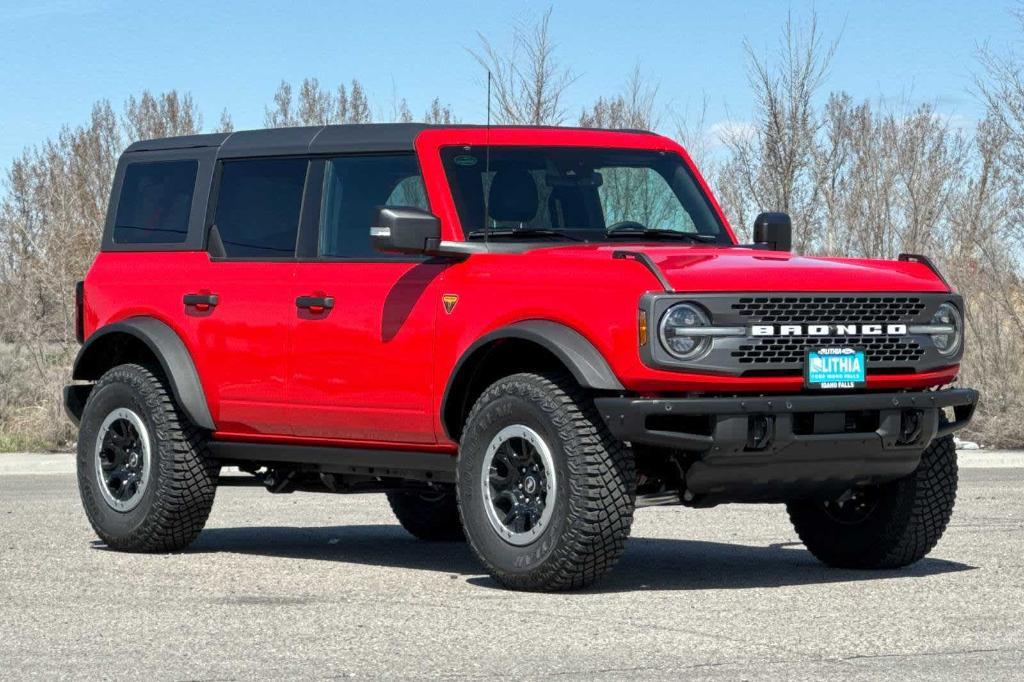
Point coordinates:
[[155, 202]]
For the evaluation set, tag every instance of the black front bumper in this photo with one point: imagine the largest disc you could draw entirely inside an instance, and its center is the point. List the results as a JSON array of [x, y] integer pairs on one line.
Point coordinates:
[[768, 447]]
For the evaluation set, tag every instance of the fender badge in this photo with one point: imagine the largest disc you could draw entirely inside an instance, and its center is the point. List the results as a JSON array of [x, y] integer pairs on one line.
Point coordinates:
[[449, 301]]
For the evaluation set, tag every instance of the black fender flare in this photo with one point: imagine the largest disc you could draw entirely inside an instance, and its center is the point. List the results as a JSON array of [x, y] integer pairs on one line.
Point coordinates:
[[169, 350], [575, 351]]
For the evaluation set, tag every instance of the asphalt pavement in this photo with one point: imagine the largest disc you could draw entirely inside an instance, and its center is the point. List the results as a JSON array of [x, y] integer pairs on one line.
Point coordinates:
[[324, 586]]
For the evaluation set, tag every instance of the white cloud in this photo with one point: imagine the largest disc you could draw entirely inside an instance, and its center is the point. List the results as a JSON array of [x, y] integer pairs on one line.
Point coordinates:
[[722, 131], [956, 121]]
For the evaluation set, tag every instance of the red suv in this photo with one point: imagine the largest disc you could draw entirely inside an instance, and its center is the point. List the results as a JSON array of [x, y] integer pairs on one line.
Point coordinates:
[[518, 334]]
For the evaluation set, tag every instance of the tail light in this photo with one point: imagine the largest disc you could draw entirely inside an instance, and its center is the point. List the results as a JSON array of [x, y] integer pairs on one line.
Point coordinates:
[[80, 311]]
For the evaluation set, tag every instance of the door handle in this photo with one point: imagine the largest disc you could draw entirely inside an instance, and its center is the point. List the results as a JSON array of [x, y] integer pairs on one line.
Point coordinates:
[[200, 301], [315, 303]]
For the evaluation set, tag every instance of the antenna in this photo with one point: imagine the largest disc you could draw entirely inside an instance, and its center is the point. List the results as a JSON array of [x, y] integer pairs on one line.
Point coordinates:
[[487, 159]]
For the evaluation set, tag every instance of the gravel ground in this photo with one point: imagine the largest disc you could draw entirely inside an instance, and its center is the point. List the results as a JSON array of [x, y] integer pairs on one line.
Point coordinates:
[[318, 586]]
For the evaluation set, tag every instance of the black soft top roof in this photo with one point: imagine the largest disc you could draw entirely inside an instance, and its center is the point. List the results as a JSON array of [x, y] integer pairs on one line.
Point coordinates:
[[331, 139], [368, 137]]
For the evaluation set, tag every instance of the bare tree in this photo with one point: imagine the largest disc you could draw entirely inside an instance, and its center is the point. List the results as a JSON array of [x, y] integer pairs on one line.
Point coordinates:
[[773, 166], [51, 217], [439, 113], [692, 132], [225, 125], [634, 107], [403, 114], [316, 106], [164, 115], [358, 109], [280, 115], [529, 80]]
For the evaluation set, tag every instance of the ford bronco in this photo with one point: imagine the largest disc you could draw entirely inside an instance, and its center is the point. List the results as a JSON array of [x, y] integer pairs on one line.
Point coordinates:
[[519, 335]]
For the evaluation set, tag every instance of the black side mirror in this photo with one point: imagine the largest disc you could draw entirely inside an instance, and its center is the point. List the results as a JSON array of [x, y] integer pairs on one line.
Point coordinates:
[[773, 231], [402, 229]]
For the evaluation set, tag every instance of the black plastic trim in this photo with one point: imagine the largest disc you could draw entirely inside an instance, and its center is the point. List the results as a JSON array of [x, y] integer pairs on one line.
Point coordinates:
[[789, 462], [432, 466], [647, 262], [75, 397], [170, 352], [925, 260], [579, 356], [626, 417]]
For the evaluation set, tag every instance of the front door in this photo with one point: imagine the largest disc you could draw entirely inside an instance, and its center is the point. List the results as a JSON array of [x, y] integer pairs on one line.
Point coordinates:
[[363, 332]]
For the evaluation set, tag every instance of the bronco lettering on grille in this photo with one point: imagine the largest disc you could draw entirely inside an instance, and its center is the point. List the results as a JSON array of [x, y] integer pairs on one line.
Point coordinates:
[[828, 330]]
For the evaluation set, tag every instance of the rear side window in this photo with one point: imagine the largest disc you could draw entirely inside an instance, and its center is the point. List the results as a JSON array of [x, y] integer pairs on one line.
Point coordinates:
[[354, 187], [155, 202], [258, 207]]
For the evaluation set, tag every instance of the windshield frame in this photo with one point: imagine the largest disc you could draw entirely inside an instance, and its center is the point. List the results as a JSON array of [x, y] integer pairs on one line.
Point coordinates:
[[430, 142]]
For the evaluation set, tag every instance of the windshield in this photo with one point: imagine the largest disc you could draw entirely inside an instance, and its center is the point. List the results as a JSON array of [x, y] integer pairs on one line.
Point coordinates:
[[578, 194]]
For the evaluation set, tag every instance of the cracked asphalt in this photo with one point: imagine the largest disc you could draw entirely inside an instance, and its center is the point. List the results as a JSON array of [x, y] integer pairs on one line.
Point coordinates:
[[323, 587]]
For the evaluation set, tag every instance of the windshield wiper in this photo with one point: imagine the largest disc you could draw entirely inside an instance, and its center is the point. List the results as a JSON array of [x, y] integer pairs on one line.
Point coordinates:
[[523, 232], [661, 232]]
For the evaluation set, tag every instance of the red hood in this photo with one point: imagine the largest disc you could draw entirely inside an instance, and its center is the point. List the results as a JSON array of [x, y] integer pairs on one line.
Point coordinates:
[[704, 269]]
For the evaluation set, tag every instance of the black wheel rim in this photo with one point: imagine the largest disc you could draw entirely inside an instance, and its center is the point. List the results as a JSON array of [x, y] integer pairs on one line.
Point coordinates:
[[852, 507], [518, 484], [123, 459]]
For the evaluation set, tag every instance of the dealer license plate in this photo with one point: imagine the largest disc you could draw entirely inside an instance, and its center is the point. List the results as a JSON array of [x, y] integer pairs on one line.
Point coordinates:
[[835, 367]]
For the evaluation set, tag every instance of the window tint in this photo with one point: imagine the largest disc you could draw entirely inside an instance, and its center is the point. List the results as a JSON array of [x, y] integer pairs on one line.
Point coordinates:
[[258, 207], [354, 187], [156, 199]]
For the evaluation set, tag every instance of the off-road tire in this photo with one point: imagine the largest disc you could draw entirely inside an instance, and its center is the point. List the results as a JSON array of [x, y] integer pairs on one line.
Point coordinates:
[[182, 476], [428, 515], [594, 494], [909, 518]]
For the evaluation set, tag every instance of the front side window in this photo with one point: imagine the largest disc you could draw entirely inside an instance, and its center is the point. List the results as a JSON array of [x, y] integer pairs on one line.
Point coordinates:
[[578, 194], [258, 207], [354, 188], [155, 202]]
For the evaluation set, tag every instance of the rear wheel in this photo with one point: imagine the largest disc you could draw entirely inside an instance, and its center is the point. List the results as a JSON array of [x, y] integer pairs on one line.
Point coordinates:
[[145, 477], [545, 493], [886, 526], [428, 514]]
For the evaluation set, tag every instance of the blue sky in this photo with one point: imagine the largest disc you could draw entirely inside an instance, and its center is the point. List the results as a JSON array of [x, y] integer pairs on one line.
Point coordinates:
[[61, 55]]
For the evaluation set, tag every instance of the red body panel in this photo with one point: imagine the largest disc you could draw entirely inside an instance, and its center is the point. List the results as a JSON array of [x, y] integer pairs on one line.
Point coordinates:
[[363, 371], [373, 370]]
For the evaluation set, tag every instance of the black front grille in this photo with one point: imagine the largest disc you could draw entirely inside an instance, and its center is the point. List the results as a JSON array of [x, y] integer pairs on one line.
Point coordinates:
[[792, 349], [828, 309]]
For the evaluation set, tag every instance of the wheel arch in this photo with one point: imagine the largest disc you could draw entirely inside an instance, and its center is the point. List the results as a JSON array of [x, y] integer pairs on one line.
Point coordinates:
[[527, 345], [143, 339]]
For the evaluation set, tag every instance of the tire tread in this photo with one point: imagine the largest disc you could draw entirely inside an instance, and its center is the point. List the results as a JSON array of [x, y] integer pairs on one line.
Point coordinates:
[[907, 536], [602, 483], [186, 488]]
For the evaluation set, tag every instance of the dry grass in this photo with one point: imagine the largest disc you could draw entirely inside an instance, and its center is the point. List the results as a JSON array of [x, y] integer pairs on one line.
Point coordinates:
[[31, 411]]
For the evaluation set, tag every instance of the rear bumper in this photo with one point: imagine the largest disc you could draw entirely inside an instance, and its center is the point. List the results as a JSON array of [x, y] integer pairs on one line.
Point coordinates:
[[775, 446], [75, 396]]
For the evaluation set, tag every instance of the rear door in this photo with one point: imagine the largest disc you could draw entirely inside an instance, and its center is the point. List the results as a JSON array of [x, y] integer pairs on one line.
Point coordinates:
[[362, 364], [241, 307]]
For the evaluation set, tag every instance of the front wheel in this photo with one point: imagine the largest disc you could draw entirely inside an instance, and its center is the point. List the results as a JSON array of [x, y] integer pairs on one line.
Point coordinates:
[[545, 493], [885, 526]]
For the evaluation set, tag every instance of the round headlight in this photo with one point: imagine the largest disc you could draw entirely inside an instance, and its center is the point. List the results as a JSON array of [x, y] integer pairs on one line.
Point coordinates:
[[948, 317], [675, 323]]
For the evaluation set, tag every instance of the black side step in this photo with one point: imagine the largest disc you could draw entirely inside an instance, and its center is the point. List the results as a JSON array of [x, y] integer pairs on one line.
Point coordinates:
[[421, 466]]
